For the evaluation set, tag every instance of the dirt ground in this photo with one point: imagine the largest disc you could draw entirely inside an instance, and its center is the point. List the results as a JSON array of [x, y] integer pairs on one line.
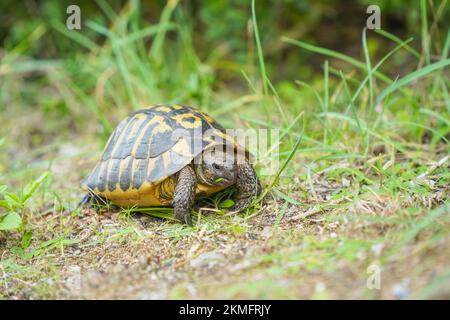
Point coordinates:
[[315, 249]]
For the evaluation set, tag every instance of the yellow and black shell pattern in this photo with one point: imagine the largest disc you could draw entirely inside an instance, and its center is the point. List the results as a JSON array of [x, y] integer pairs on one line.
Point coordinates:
[[141, 154]]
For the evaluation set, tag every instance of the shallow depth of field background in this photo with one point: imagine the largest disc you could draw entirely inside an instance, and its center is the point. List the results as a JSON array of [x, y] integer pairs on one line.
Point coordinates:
[[364, 118]]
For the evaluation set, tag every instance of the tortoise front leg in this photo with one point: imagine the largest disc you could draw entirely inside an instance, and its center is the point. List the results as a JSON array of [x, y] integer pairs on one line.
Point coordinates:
[[248, 186], [184, 195]]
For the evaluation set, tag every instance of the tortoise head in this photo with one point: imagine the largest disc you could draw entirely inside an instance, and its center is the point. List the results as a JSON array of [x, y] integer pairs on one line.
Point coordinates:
[[217, 168]]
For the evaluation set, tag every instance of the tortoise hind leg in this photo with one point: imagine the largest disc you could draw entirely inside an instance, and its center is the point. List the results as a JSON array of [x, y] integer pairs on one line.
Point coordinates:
[[87, 199], [90, 200], [184, 194], [248, 186]]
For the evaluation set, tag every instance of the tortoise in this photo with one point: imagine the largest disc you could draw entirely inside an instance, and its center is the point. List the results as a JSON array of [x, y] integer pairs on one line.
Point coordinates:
[[145, 163]]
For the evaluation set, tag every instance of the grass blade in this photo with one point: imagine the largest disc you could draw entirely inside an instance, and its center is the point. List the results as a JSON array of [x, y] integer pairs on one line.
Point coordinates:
[[411, 77], [336, 55], [262, 65], [397, 40]]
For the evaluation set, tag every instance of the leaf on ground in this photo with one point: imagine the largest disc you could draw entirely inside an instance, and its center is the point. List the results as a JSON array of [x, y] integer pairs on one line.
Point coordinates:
[[11, 221], [227, 204]]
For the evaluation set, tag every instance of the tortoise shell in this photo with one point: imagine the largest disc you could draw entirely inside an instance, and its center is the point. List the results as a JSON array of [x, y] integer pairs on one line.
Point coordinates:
[[143, 153]]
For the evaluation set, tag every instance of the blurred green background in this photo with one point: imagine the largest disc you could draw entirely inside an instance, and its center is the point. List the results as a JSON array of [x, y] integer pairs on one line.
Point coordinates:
[[129, 54], [221, 28], [182, 51]]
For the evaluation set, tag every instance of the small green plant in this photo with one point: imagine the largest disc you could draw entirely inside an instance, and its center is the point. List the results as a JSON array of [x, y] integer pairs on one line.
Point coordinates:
[[15, 204]]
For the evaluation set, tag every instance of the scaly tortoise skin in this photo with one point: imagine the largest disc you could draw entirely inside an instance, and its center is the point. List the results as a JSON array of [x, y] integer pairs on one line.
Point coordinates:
[[142, 165]]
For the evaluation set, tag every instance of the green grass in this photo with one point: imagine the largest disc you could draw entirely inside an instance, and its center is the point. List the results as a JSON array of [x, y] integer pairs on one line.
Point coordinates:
[[362, 163]]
